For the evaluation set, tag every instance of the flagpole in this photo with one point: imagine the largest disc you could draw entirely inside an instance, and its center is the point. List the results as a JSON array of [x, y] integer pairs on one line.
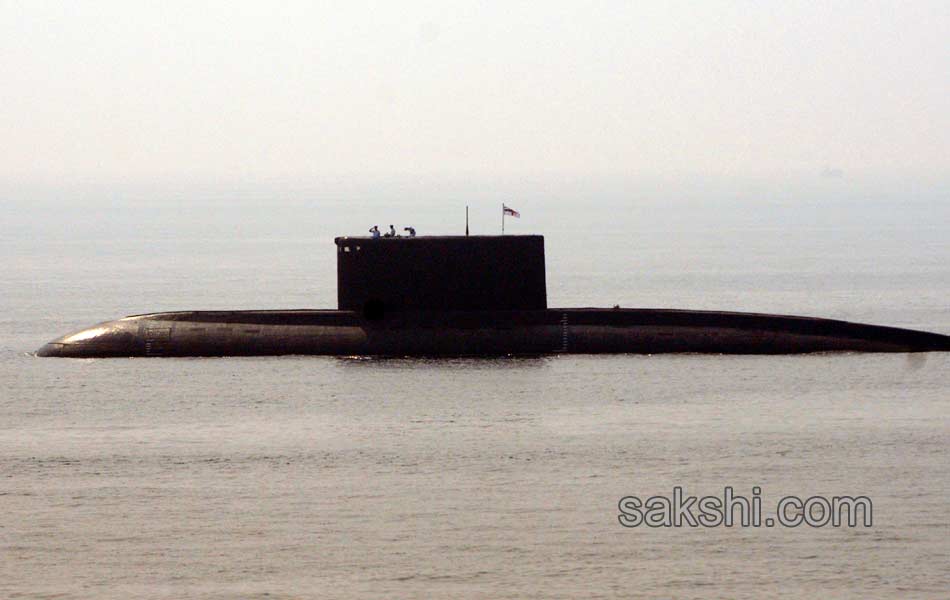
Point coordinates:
[[502, 218]]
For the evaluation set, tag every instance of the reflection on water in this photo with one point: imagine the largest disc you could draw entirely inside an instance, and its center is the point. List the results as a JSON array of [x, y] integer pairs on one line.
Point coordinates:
[[448, 363]]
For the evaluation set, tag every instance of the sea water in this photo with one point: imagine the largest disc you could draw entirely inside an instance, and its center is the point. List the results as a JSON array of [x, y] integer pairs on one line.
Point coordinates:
[[296, 477]]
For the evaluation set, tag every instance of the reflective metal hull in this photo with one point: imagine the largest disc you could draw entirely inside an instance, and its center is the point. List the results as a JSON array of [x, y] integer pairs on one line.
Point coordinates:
[[481, 333]]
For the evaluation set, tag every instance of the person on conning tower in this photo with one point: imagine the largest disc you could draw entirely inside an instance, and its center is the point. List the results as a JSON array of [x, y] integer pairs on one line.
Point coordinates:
[[391, 232], [411, 230], [374, 230]]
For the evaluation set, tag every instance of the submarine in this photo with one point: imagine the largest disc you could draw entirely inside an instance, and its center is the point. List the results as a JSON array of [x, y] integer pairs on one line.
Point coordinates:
[[468, 296]]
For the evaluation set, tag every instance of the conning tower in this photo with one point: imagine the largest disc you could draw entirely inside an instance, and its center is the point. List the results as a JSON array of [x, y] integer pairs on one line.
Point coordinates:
[[444, 273]]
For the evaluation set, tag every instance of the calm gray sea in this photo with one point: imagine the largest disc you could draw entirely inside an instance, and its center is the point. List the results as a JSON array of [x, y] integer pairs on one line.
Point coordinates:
[[300, 477]]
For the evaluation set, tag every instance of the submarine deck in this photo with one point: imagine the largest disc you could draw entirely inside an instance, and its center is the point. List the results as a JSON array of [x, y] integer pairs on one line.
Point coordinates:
[[488, 332]]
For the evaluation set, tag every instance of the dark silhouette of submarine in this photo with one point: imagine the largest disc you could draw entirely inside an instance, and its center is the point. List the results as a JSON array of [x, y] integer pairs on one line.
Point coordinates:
[[468, 296]]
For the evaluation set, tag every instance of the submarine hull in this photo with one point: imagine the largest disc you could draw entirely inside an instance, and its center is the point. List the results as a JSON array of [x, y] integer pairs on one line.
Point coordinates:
[[481, 333]]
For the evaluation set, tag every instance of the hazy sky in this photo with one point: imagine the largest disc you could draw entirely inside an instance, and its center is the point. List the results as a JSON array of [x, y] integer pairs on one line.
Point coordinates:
[[261, 91]]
